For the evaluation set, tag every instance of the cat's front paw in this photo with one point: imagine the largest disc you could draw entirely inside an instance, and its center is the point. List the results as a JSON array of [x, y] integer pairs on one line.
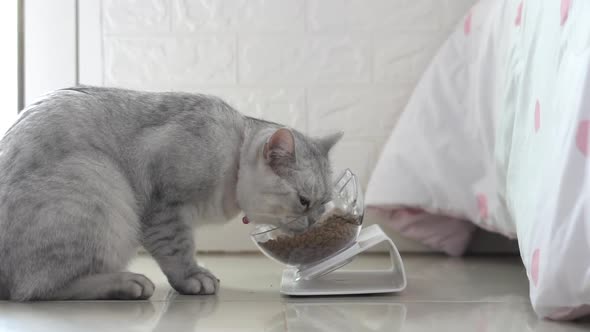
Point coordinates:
[[201, 281]]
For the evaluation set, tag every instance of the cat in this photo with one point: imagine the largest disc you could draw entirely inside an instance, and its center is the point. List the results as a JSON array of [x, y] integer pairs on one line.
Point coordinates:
[[90, 174]]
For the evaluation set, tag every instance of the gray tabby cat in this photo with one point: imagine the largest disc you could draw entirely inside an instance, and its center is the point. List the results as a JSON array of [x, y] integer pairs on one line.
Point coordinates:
[[87, 175]]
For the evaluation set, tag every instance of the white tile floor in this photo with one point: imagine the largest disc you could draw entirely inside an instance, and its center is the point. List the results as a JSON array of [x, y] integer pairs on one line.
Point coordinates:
[[472, 294]]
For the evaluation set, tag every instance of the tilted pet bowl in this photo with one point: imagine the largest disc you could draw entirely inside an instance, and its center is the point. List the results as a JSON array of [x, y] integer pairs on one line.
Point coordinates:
[[313, 256]]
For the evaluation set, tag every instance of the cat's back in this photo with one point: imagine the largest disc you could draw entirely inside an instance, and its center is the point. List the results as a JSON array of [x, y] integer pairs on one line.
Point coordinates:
[[123, 126], [73, 112], [84, 108], [59, 124], [114, 117]]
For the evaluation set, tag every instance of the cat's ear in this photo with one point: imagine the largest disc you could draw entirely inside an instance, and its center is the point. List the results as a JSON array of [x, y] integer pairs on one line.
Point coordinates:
[[327, 143], [280, 148]]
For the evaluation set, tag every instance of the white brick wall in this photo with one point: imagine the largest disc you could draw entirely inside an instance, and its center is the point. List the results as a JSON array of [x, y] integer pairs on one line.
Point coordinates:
[[316, 65]]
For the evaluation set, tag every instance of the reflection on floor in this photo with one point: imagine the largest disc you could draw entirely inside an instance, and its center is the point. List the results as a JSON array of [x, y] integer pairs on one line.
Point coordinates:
[[443, 294]]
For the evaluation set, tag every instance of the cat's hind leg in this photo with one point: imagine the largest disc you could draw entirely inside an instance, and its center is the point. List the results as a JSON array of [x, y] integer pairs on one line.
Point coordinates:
[[70, 233], [107, 286]]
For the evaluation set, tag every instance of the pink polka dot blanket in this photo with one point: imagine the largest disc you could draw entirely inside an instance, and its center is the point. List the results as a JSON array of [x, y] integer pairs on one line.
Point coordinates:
[[496, 135]]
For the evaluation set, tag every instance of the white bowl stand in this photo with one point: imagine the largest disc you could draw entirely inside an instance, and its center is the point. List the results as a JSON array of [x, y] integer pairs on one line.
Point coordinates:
[[325, 278]]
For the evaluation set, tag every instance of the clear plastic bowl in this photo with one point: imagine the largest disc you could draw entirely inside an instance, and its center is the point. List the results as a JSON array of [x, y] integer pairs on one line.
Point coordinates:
[[334, 230]]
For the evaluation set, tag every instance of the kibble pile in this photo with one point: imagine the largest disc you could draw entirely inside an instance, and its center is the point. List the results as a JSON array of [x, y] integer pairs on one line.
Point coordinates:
[[317, 243]]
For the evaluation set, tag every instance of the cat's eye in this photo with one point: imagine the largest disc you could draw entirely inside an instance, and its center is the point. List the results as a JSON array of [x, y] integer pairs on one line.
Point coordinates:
[[304, 201]]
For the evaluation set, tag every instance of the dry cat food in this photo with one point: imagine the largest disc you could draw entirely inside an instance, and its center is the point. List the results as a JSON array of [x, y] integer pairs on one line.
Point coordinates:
[[316, 243]]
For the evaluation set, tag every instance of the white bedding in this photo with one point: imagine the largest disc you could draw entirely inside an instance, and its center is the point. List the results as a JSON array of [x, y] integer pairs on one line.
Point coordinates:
[[497, 133]]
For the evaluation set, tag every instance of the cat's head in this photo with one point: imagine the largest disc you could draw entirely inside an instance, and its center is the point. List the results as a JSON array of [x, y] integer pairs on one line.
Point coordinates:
[[287, 176]]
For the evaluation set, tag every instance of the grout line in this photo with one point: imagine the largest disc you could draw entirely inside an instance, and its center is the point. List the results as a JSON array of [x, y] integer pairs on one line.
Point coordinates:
[[20, 56], [170, 17], [282, 85], [305, 18], [237, 59], [376, 299], [373, 51], [77, 41], [102, 36], [306, 109], [155, 34]]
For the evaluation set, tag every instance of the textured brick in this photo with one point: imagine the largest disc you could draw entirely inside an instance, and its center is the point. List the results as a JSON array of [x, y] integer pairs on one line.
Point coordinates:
[[316, 65], [206, 60], [239, 15], [122, 68], [282, 105], [123, 16], [170, 62], [359, 112], [300, 59]]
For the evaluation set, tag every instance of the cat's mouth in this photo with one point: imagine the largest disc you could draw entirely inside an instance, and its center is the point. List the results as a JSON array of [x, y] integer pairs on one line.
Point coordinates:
[[290, 221]]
